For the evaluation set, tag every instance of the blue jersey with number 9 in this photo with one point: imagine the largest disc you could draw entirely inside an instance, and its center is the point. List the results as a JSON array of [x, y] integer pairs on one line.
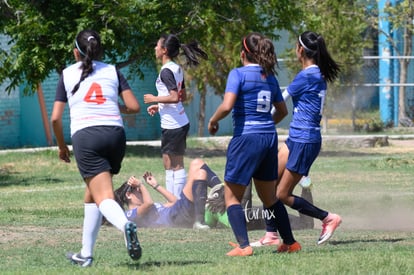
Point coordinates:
[[256, 94]]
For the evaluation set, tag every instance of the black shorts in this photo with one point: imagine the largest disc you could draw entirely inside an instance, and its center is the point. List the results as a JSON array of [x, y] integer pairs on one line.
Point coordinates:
[[174, 141], [98, 149]]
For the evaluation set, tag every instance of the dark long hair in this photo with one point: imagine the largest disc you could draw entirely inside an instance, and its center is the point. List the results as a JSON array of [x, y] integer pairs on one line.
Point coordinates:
[[88, 43], [315, 48], [260, 49], [120, 194], [120, 198], [191, 51]]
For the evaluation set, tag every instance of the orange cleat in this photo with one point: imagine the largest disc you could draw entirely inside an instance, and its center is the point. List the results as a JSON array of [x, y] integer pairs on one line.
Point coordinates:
[[235, 252], [289, 248]]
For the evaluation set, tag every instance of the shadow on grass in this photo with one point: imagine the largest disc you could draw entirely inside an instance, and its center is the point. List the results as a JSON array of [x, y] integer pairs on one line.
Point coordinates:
[[367, 241], [6, 176], [17, 179], [151, 264]]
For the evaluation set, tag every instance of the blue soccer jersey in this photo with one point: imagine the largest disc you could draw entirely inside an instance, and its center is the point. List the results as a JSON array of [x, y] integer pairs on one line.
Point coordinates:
[[308, 91], [256, 94]]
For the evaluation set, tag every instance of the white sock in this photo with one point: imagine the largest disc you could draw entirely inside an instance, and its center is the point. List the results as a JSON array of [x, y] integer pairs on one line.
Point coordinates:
[[113, 213], [92, 221], [169, 180], [180, 177]]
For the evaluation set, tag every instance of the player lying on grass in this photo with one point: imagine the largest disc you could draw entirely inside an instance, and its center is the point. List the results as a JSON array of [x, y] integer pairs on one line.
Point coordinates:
[[141, 208], [186, 211]]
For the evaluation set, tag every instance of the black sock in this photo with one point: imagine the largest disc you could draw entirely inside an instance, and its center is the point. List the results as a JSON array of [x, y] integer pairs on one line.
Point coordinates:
[[212, 178], [270, 219], [282, 222], [306, 208], [199, 199]]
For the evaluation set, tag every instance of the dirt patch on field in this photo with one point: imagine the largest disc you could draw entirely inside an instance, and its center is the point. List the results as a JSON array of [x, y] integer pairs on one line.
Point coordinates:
[[406, 145]]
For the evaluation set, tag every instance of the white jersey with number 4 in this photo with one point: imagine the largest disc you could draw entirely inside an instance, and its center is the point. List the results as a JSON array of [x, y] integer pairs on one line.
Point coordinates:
[[95, 103]]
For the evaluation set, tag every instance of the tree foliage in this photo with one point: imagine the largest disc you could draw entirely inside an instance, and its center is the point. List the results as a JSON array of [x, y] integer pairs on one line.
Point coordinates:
[[343, 24], [42, 32], [222, 24]]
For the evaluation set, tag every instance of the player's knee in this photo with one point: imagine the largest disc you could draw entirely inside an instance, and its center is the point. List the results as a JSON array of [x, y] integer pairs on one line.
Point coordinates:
[[282, 196], [196, 163]]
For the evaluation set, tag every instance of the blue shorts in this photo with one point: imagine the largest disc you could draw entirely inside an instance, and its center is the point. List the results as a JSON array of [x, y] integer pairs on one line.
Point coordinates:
[[99, 149], [174, 141], [301, 156], [251, 155], [181, 214]]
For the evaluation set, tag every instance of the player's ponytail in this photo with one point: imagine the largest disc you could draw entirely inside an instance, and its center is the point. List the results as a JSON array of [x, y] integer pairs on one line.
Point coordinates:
[[315, 48], [259, 49], [267, 56], [89, 46], [191, 51]]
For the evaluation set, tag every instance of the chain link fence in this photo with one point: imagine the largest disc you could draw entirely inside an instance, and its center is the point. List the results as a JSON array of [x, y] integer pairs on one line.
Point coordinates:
[[347, 102]]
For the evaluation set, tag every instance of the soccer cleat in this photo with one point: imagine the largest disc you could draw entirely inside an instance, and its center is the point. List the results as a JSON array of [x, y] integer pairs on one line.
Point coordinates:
[[289, 248], [239, 252], [199, 225], [76, 258], [131, 241], [267, 240], [330, 223], [233, 244]]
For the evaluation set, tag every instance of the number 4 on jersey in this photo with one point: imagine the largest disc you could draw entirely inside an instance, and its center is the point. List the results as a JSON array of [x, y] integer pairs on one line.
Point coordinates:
[[95, 94]]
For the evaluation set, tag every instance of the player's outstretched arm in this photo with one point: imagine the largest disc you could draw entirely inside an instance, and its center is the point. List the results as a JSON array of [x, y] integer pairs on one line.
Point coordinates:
[[151, 181]]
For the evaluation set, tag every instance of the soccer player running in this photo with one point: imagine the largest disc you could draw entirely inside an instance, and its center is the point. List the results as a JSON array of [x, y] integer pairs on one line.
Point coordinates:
[[308, 91], [171, 92], [92, 89], [251, 91]]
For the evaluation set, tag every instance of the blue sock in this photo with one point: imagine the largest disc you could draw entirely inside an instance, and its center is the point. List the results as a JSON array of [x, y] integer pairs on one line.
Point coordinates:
[[238, 224], [283, 223], [306, 208]]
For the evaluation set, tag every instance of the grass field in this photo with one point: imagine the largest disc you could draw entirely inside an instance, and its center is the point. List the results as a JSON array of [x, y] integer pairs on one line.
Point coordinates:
[[41, 215]]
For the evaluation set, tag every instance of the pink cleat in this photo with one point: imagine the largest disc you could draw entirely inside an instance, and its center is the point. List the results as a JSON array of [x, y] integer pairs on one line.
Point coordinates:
[[271, 238], [329, 224]]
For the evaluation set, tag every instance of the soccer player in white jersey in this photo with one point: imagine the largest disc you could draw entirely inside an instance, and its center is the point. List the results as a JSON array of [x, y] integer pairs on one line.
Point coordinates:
[[171, 92], [92, 88], [308, 91], [251, 92]]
